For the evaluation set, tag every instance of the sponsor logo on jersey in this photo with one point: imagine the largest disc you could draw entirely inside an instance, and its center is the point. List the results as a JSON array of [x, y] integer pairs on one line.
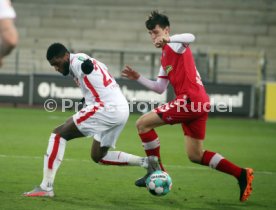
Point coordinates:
[[168, 69]]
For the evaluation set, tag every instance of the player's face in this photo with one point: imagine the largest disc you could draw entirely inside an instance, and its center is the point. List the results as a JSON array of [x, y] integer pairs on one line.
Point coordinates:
[[158, 32], [61, 64]]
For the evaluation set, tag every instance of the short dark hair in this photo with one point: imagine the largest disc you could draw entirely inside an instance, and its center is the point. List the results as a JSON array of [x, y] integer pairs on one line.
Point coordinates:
[[56, 50], [156, 18]]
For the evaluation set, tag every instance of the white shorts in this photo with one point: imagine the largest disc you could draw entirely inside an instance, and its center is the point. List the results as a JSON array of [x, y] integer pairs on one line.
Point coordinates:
[[6, 10], [104, 125]]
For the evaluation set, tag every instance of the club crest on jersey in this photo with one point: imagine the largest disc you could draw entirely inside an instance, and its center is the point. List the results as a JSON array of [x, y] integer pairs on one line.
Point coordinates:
[[168, 69], [81, 58]]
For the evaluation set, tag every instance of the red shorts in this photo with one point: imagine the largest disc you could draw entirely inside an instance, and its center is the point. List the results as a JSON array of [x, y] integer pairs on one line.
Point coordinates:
[[193, 117]]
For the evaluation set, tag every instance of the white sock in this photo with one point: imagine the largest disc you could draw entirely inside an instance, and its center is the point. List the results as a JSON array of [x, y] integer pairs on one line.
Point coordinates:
[[52, 160], [122, 158]]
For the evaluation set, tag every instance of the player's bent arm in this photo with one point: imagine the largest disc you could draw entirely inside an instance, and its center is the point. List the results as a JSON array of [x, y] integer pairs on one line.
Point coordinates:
[[185, 38], [158, 86], [180, 42]]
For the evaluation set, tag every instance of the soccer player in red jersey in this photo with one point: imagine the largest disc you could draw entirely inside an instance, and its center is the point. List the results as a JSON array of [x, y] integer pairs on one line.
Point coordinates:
[[189, 108]]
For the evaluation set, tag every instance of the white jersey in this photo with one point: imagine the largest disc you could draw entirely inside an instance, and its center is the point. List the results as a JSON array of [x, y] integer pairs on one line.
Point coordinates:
[[107, 109], [6, 10], [99, 87]]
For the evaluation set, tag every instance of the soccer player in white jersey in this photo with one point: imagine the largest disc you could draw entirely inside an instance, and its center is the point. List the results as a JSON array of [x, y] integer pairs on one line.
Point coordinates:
[[8, 32], [103, 118]]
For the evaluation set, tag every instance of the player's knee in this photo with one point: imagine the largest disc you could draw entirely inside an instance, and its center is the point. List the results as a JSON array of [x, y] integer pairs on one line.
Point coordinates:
[[57, 130], [140, 125]]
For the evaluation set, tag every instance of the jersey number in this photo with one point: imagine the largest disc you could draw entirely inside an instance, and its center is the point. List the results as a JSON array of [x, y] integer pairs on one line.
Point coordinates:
[[107, 78]]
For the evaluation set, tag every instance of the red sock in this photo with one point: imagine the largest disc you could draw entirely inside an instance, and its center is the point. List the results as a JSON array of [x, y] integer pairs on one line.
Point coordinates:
[[151, 144], [216, 161]]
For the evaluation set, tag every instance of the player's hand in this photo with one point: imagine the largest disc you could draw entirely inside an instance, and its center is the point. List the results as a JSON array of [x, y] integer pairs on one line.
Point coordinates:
[[87, 66], [129, 73], [161, 41]]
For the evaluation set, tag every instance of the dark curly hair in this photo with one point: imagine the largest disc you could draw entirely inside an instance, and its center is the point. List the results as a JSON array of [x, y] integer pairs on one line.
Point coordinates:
[[56, 50]]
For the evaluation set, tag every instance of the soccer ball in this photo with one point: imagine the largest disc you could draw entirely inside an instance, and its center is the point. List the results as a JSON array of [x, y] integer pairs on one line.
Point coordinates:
[[159, 183]]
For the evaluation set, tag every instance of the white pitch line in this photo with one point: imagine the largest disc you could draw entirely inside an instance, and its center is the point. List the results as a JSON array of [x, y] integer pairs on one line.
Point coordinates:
[[82, 160]]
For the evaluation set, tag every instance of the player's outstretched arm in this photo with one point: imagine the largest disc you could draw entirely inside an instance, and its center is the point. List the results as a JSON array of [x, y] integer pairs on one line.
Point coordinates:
[[158, 86]]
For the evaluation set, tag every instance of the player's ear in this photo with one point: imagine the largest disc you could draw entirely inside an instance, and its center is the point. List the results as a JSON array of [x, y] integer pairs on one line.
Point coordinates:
[[167, 29], [66, 56]]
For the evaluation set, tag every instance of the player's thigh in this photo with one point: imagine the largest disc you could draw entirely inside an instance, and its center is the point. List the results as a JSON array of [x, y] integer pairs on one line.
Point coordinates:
[[68, 130], [109, 136], [149, 121], [103, 125], [195, 126]]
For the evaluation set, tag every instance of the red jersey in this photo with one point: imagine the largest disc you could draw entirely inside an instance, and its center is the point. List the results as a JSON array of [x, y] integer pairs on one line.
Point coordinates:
[[182, 74]]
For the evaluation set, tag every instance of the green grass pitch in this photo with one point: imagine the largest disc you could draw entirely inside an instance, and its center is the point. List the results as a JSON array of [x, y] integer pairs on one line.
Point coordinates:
[[81, 184]]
